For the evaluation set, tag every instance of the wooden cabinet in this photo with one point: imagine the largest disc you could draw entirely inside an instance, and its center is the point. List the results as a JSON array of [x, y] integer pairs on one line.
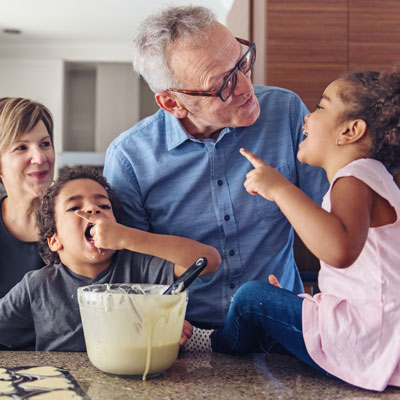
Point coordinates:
[[309, 43], [374, 34], [306, 45]]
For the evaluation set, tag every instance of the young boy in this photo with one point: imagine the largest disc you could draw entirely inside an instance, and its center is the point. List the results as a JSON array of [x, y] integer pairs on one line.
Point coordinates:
[[82, 243]]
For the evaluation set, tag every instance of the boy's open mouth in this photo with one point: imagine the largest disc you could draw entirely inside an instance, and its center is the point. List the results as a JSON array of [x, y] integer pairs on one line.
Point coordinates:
[[88, 235]]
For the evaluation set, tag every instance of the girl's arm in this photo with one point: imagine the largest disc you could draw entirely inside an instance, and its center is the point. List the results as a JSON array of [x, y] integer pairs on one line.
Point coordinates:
[[183, 252], [336, 238]]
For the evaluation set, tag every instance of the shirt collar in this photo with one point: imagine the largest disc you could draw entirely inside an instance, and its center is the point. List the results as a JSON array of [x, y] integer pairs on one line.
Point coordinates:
[[176, 134]]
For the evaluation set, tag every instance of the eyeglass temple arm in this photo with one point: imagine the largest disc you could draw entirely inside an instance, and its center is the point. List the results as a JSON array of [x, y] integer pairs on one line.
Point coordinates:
[[194, 92]]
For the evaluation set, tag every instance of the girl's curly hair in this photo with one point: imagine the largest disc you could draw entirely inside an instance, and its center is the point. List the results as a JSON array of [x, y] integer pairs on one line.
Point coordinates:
[[46, 214], [375, 98]]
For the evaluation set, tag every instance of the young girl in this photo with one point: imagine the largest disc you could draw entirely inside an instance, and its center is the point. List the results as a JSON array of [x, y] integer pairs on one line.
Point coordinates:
[[350, 329]]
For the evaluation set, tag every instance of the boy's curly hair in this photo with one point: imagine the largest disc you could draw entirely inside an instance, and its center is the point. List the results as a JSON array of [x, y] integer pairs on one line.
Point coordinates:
[[375, 98], [46, 214]]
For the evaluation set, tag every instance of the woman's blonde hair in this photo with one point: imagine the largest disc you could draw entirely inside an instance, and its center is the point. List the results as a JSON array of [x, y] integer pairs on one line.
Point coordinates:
[[19, 115]]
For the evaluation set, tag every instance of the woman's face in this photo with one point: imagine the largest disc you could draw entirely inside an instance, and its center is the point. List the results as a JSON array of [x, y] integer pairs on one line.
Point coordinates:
[[27, 166]]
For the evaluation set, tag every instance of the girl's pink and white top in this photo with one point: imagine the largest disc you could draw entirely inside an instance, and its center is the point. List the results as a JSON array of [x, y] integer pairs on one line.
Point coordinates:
[[352, 328]]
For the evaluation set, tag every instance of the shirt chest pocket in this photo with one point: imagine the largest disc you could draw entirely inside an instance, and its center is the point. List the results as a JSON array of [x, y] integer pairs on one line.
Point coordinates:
[[268, 209]]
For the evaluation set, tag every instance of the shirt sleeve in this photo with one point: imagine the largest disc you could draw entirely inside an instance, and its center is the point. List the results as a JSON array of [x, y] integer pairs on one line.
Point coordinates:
[[120, 174], [16, 323], [150, 269]]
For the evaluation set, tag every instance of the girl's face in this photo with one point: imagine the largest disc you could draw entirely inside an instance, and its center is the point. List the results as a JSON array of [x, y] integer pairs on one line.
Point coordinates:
[[27, 166], [71, 240], [322, 127]]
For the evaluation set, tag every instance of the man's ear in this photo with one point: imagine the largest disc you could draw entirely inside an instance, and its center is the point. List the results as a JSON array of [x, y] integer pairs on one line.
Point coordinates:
[[54, 242], [353, 132], [171, 104]]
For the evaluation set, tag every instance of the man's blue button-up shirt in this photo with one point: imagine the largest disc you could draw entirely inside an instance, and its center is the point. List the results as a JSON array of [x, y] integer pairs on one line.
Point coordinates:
[[172, 183]]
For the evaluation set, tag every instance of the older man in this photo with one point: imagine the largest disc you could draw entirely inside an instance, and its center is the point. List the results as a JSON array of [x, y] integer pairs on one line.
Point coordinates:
[[180, 172]]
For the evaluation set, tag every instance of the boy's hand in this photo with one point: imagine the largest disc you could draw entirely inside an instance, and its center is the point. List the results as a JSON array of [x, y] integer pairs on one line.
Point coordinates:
[[186, 332], [273, 281], [106, 233], [263, 179]]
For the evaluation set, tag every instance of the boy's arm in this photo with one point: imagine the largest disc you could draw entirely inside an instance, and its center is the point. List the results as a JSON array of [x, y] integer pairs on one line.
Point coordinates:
[[183, 252], [16, 323], [108, 234]]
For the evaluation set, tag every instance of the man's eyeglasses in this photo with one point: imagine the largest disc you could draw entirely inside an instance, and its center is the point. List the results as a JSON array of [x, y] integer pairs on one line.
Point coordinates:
[[225, 91]]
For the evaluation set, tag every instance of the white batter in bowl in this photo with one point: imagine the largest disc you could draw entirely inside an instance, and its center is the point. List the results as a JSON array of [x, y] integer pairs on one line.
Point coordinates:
[[131, 329]]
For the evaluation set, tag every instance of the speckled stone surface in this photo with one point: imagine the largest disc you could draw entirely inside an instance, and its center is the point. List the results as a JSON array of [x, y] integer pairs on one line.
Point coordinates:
[[205, 376]]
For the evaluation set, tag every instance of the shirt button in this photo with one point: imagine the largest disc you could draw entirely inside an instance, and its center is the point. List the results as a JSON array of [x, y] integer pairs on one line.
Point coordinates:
[[232, 285], [232, 252], [227, 217], [220, 182]]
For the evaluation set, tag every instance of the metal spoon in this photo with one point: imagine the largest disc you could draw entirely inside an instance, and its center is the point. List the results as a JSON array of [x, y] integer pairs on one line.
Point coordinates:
[[188, 277]]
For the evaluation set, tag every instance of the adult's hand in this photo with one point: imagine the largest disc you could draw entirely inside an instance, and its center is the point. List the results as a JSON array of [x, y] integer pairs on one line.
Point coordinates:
[[273, 281]]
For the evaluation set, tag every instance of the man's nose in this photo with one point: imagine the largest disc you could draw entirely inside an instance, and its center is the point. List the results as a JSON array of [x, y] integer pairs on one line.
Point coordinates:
[[243, 82]]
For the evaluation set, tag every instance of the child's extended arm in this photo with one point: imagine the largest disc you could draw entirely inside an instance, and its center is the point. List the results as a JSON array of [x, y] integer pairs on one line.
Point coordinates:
[[108, 234], [337, 237]]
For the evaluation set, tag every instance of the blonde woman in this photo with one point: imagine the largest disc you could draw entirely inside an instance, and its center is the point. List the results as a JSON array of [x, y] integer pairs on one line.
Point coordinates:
[[26, 169]]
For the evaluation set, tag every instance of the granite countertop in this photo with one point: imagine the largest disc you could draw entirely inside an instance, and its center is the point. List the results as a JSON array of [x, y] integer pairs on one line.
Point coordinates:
[[204, 376]]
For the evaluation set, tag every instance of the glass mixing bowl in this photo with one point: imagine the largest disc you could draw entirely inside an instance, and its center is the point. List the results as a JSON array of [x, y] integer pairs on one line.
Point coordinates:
[[132, 329]]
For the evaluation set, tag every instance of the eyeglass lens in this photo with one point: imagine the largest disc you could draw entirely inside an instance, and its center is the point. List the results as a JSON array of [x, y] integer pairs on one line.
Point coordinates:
[[245, 64]]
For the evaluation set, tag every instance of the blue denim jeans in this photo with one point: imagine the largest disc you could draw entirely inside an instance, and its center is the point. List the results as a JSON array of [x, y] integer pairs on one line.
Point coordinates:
[[260, 316]]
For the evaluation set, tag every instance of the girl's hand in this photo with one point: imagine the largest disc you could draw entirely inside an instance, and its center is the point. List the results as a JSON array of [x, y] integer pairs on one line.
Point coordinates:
[[273, 281], [263, 179], [106, 233], [186, 332]]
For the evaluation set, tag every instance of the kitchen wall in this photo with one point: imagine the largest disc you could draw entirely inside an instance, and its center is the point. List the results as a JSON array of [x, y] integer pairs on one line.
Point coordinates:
[[89, 86], [40, 72], [101, 100], [41, 79]]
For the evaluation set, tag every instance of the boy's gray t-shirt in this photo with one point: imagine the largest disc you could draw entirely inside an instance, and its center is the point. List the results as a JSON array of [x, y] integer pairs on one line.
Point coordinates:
[[42, 313]]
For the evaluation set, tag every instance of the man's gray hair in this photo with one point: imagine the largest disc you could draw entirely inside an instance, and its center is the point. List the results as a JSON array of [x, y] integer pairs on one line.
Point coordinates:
[[157, 32]]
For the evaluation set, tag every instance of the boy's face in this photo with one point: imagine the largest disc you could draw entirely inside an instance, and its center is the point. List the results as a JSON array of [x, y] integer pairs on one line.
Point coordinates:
[[71, 241]]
